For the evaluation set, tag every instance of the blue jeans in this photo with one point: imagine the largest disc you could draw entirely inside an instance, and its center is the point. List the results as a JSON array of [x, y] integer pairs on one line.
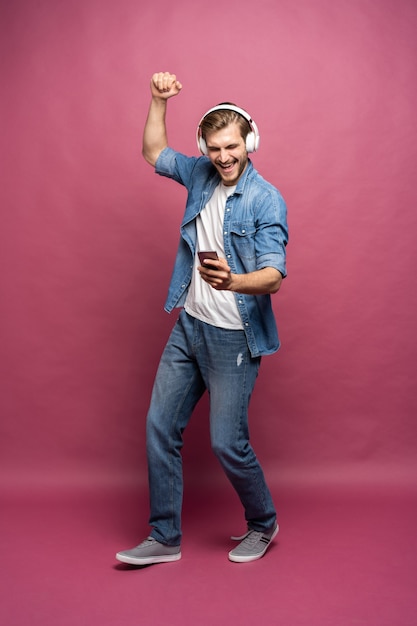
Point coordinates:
[[197, 357]]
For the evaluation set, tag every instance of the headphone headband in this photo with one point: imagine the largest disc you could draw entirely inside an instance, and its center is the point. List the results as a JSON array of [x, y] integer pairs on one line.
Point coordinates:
[[252, 138]]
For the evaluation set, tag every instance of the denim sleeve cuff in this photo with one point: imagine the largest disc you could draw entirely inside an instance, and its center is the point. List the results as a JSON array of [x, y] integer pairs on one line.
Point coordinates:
[[273, 260], [165, 163]]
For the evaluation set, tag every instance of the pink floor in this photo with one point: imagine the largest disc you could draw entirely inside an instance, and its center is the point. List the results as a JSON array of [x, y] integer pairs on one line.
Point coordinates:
[[343, 557]]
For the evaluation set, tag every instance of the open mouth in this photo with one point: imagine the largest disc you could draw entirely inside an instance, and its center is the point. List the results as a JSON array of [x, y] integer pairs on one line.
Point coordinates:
[[226, 167]]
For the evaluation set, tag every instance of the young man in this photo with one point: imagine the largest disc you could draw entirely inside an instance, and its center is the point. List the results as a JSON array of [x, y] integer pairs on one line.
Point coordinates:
[[226, 324]]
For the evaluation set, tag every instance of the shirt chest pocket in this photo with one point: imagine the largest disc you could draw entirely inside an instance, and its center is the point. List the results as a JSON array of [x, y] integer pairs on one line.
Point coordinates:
[[242, 236]]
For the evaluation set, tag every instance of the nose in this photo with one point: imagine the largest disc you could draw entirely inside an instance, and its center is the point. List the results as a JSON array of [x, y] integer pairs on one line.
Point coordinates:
[[224, 155]]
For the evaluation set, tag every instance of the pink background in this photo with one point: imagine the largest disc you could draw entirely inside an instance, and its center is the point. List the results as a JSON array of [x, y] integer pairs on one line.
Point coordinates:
[[88, 233]]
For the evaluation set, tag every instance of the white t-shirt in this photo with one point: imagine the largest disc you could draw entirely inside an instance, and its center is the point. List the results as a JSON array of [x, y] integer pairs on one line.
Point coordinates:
[[209, 305]]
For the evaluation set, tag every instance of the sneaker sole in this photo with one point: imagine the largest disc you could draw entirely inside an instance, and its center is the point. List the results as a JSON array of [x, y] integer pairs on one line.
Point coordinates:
[[249, 558], [148, 560]]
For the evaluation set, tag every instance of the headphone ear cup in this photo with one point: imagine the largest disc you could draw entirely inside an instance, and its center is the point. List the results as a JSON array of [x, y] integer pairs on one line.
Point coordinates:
[[203, 146], [250, 142]]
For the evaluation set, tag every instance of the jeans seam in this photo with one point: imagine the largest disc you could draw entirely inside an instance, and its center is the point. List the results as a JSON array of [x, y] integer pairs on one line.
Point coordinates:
[[174, 422]]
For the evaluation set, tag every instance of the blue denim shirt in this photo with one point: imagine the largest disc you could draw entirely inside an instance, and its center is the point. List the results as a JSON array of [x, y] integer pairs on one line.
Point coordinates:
[[255, 236]]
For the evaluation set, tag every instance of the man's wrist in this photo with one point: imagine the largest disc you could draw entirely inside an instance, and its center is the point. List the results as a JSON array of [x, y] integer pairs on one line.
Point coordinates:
[[234, 282], [159, 101]]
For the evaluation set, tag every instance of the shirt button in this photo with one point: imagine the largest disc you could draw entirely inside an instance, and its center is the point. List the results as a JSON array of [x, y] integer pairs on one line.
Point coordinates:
[[243, 231]]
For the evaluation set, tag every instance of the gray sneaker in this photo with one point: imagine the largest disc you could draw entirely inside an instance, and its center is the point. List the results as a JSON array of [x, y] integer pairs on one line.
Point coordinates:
[[148, 552], [253, 545]]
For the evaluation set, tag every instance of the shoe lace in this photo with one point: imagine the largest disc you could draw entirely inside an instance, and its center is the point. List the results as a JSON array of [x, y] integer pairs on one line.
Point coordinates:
[[249, 538], [148, 541]]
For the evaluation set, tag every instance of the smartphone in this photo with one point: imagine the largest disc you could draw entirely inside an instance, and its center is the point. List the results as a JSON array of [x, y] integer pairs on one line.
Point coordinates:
[[207, 254]]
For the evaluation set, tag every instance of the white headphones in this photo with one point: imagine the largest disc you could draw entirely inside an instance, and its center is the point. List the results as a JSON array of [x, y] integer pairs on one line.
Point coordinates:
[[252, 138]]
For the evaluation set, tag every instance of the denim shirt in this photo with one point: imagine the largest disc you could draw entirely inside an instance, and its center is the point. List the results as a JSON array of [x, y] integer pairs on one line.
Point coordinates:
[[255, 236]]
